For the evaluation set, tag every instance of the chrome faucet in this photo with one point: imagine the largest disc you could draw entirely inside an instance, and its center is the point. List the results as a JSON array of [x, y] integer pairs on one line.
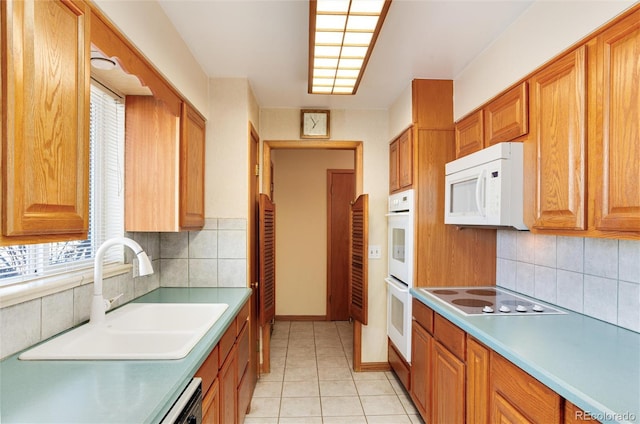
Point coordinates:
[[100, 305]]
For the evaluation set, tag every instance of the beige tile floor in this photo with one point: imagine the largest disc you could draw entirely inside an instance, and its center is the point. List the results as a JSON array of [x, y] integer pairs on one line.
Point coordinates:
[[311, 381]]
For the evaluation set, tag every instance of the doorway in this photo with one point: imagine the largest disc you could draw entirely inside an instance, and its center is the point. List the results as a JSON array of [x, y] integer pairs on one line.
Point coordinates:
[[357, 148], [340, 194]]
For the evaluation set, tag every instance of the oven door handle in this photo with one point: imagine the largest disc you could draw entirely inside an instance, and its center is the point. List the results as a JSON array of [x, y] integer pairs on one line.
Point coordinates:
[[399, 214], [396, 285]]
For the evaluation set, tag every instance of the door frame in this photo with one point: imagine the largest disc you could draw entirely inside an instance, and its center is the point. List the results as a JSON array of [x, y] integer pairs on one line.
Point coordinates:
[[356, 147]]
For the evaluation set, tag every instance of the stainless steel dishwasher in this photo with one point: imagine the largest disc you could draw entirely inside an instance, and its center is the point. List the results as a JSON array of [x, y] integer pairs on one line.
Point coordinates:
[[188, 407]]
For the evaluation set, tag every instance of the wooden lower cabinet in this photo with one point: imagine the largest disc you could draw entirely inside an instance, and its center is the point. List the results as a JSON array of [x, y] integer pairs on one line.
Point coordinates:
[[421, 342], [457, 379], [227, 379], [516, 397], [211, 404], [399, 366], [477, 389], [447, 387]]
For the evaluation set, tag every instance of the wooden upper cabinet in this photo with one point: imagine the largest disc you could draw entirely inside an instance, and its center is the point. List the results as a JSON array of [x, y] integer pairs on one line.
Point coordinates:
[[151, 166], [401, 162], [558, 132], [164, 167], [45, 123], [192, 147], [507, 117], [469, 134], [615, 164], [394, 175]]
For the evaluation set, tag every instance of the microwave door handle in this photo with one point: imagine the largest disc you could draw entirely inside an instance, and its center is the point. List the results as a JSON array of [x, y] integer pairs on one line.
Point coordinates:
[[480, 191]]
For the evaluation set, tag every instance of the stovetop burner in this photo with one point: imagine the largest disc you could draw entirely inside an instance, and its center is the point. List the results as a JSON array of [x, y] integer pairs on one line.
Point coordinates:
[[489, 301]]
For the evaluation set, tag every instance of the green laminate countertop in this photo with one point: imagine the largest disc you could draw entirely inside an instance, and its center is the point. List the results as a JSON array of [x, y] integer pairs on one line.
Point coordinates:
[[593, 364], [111, 391]]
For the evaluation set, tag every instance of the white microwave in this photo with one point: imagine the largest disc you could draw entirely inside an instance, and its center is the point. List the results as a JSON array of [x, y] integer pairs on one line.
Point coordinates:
[[485, 188]]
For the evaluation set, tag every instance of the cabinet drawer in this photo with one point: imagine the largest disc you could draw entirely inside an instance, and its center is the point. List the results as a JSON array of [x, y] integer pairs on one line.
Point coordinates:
[[399, 366], [243, 350], [423, 315], [208, 371], [450, 336], [226, 343], [242, 317]]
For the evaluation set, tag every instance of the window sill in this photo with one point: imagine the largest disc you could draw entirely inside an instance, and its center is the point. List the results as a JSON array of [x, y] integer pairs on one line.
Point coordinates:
[[34, 289]]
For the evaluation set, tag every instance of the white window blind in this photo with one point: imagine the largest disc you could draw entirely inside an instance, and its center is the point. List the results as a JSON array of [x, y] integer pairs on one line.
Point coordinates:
[[24, 263]]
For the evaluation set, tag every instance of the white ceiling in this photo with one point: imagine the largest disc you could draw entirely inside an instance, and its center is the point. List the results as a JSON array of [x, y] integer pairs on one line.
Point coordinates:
[[266, 41]]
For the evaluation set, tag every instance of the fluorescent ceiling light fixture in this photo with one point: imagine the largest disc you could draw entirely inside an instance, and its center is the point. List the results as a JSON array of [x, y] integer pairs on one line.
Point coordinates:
[[342, 34]]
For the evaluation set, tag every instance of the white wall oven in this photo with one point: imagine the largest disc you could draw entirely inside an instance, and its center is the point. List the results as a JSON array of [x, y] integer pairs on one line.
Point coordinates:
[[400, 279]]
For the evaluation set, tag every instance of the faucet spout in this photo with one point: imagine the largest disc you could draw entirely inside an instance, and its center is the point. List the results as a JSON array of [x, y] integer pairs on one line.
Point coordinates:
[[99, 305]]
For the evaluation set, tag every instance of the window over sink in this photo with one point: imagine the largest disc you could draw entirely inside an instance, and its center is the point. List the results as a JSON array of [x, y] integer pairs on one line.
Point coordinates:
[[24, 263]]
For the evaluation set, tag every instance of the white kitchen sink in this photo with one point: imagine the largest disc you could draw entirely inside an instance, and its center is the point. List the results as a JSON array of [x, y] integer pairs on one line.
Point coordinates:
[[144, 331]]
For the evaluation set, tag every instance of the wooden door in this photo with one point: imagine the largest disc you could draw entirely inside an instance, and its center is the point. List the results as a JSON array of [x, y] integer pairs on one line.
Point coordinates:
[[45, 118], [267, 260], [254, 256], [558, 125], [192, 151], [340, 192], [448, 386], [358, 250], [616, 162], [421, 342]]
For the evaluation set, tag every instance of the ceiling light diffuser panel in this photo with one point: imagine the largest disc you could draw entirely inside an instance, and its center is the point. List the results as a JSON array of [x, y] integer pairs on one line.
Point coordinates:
[[342, 34]]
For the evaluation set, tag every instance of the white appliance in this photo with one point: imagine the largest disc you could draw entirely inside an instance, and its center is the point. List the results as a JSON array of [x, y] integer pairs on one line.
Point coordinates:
[[485, 188], [400, 279], [400, 237]]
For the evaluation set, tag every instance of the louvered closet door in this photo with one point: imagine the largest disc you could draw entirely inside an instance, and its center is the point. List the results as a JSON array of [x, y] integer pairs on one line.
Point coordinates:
[[267, 266], [358, 241]]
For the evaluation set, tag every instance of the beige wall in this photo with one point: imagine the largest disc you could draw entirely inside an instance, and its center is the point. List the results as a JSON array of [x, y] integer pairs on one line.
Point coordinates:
[[227, 149], [370, 127], [300, 195], [148, 27], [542, 32]]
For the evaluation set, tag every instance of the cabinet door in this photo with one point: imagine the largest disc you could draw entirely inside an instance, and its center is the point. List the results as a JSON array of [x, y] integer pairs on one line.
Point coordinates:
[[448, 386], [211, 405], [477, 390], [45, 124], [405, 159], [507, 117], [517, 397], [421, 342], [151, 165], [192, 145], [228, 377], [469, 134], [394, 160], [558, 124], [616, 162]]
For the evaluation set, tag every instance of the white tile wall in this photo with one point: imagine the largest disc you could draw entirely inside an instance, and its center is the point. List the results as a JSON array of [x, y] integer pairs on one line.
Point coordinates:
[[215, 256], [596, 277]]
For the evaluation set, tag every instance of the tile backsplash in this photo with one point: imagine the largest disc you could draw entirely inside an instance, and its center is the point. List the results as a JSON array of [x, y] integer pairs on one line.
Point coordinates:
[[592, 276], [213, 257]]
